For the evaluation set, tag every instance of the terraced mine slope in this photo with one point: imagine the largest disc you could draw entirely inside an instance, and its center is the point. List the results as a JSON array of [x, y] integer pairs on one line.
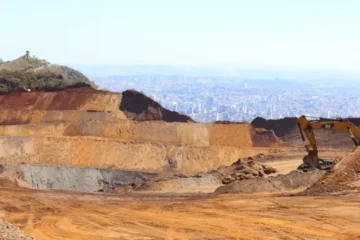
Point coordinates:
[[84, 127], [128, 168]]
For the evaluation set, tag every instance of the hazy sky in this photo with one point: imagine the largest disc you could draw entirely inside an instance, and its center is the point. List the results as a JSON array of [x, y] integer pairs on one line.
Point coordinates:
[[319, 34]]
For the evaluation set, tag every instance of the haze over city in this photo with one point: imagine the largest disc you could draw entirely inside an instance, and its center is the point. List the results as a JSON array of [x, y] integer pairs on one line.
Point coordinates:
[[241, 54]]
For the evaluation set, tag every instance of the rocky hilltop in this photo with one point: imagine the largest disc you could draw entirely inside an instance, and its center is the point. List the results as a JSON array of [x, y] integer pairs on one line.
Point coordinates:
[[32, 74]]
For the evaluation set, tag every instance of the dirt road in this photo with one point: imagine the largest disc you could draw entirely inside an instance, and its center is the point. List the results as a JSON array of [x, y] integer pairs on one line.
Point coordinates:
[[59, 215]]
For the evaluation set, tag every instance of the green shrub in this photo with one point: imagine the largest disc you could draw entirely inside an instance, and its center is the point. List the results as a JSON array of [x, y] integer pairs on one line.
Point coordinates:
[[40, 81]]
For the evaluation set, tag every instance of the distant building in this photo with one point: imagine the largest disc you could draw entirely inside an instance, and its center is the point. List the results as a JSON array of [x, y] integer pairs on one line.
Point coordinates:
[[218, 116]]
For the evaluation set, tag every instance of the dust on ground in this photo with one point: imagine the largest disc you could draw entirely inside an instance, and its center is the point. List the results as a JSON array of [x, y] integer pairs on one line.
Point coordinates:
[[60, 215]]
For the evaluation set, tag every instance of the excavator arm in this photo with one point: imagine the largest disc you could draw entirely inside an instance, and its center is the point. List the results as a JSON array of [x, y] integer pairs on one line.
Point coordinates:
[[306, 129]]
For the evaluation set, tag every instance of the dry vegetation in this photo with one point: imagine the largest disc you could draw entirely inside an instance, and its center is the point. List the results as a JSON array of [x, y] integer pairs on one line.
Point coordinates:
[[38, 75]]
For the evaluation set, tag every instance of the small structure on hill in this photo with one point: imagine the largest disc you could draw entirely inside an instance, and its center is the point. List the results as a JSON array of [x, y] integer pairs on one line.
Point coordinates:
[[27, 54]]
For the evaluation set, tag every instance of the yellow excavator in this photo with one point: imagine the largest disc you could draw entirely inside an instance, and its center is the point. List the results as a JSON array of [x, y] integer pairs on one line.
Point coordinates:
[[306, 129]]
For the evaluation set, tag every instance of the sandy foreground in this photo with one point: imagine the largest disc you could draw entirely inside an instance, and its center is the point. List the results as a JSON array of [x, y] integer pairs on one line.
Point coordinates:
[[64, 215]]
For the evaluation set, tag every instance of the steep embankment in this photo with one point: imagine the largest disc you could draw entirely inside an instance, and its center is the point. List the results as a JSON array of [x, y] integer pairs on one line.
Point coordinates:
[[139, 107], [84, 127], [345, 177], [287, 130], [83, 98], [195, 134], [127, 155], [134, 107], [35, 107], [89, 112]]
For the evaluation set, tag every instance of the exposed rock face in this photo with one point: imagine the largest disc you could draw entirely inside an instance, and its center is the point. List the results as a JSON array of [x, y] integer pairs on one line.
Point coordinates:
[[85, 151], [24, 104], [140, 107], [70, 178]]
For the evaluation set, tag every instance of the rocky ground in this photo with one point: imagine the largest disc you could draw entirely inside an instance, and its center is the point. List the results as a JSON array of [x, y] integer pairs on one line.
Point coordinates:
[[10, 232]]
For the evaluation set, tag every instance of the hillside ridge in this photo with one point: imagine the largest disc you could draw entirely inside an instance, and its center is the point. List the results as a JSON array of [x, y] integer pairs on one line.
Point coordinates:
[[28, 73]]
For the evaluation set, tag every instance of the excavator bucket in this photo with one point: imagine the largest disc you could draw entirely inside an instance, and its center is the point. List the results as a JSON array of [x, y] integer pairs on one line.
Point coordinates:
[[312, 159]]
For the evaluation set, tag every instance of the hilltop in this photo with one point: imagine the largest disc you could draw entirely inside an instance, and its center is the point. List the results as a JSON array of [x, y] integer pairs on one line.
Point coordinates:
[[28, 73]]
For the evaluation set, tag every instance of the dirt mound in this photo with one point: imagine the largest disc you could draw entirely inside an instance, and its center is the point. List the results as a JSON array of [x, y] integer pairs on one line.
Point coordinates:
[[287, 130], [264, 138], [243, 169], [281, 127], [140, 107], [10, 232], [345, 176], [355, 121], [293, 180]]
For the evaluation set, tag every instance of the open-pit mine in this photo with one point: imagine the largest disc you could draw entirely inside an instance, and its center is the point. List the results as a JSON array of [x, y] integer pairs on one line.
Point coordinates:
[[80, 163]]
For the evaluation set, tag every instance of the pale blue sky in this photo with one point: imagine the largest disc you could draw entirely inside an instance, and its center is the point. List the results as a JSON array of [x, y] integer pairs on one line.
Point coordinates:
[[316, 34]]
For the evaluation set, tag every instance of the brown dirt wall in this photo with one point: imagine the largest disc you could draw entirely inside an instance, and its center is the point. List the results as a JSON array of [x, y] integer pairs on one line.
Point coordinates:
[[193, 134], [126, 155]]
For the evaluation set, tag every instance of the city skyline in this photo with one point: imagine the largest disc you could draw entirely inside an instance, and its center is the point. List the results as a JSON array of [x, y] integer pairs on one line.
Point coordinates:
[[209, 99]]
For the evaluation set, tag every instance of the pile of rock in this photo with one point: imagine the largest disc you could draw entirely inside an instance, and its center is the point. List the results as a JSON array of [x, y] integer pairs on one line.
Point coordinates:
[[244, 169]]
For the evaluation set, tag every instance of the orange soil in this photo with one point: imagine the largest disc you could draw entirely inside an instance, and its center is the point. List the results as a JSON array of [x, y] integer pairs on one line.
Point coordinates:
[[129, 155], [56, 215], [70, 99]]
